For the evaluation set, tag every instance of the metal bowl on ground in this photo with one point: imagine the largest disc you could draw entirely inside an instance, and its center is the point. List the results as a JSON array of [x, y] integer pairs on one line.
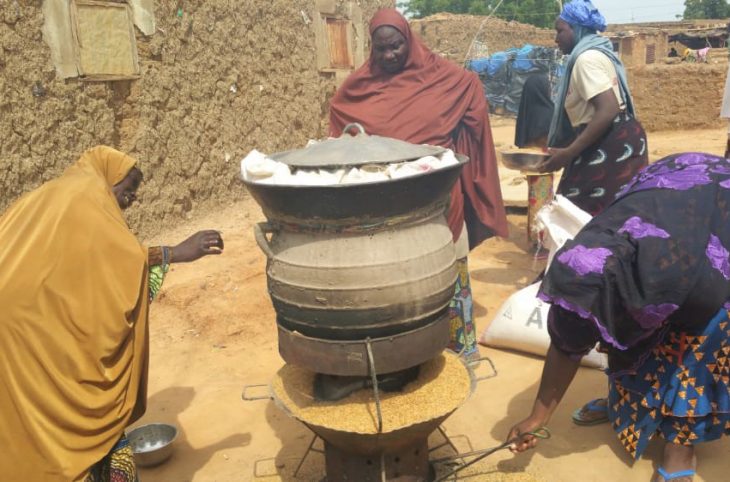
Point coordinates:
[[523, 160], [152, 443]]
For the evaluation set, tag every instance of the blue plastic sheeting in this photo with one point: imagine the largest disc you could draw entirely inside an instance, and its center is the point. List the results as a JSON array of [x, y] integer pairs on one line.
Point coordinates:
[[504, 73], [490, 66], [523, 62]]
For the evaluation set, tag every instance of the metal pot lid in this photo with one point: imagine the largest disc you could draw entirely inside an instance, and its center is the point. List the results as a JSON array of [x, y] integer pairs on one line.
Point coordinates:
[[352, 151]]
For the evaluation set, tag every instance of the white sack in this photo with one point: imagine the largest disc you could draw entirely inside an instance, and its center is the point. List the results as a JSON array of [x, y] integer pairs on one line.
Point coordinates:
[[521, 324], [257, 167], [315, 177], [365, 174], [558, 222]]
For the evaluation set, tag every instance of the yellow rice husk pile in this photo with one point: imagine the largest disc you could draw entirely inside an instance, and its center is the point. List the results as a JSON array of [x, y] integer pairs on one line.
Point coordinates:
[[442, 385]]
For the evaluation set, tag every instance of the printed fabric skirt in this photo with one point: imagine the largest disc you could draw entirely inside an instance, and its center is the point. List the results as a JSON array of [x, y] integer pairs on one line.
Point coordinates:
[[592, 181], [462, 333], [117, 466], [681, 393]]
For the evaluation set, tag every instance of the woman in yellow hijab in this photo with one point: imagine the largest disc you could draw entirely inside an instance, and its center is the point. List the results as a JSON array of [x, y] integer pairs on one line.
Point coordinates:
[[74, 290]]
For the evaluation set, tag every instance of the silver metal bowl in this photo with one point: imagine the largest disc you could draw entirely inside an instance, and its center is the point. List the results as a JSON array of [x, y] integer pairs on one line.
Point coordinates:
[[152, 444], [523, 161]]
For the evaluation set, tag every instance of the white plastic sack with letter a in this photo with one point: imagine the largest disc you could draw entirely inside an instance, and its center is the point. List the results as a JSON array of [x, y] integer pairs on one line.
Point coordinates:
[[521, 322]]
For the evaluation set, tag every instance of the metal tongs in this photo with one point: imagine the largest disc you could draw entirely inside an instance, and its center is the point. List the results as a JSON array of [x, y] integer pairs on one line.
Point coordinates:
[[541, 433]]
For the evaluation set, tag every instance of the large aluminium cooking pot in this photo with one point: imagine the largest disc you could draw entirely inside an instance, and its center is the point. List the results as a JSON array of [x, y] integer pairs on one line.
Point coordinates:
[[358, 262], [355, 203], [346, 286]]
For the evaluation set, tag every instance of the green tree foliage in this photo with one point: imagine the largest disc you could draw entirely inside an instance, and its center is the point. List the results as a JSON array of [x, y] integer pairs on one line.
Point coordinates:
[[541, 13], [717, 9]]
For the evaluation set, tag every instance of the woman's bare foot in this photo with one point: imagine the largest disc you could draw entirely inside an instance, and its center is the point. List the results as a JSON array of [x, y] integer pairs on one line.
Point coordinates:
[[677, 458]]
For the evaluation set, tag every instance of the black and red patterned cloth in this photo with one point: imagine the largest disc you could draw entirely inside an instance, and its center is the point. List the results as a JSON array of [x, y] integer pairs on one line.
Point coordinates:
[[593, 180]]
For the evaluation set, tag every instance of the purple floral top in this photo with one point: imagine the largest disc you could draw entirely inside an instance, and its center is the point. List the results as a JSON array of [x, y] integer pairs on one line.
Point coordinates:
[[656, 257]]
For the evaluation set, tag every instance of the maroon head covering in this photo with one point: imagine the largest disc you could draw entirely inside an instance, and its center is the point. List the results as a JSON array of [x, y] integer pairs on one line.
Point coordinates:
[[431, 101]]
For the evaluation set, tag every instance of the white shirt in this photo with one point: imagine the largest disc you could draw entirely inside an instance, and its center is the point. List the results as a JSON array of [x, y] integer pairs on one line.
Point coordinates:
[[593, 73]]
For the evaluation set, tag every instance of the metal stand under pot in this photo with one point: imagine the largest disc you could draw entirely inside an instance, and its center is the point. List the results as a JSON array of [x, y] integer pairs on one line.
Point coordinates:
[[396, 455]]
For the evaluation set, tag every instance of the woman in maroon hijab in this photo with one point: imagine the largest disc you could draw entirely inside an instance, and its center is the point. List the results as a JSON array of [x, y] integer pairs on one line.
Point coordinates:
[[407, 92]]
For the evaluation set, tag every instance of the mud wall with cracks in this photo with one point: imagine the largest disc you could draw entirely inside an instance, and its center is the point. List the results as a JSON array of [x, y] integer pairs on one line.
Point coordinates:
[[223, 78], [680, 96]]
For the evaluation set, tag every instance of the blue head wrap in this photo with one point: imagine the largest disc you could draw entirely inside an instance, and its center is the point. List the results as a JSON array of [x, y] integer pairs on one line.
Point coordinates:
[[582, 13], [585, 20]]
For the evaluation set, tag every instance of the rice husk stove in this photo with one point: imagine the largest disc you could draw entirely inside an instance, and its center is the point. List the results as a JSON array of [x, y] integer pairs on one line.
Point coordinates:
[[364, 340], [365, 442]]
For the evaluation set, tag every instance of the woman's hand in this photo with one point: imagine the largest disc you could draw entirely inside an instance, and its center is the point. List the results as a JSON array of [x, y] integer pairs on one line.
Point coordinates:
[[520, 431], [559, 159], [606, 109], [202, 243], [557, 373]]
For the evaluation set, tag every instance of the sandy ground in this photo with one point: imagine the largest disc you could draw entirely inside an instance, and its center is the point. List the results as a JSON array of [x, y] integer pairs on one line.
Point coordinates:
[[212, 332]]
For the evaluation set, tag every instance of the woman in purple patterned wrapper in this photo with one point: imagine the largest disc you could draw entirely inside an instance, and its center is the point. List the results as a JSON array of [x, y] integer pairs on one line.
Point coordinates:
[[595, 136], [649, 279]]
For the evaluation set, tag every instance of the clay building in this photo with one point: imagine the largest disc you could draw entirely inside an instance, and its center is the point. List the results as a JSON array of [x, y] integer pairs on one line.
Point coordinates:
[[678, 96], [694, 34], [640, 48], [451, 35], [187, 87]]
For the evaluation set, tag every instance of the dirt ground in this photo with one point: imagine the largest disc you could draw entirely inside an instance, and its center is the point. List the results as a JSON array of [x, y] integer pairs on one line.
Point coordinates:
[[212, 332]]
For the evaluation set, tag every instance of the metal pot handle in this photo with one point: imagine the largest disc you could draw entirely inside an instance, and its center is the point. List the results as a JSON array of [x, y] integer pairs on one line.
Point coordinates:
[[491, 365], [260, 231], [249, 398], [353, 125]]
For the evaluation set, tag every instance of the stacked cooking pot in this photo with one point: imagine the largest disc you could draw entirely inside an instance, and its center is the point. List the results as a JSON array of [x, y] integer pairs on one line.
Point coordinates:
[[360, 275]]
